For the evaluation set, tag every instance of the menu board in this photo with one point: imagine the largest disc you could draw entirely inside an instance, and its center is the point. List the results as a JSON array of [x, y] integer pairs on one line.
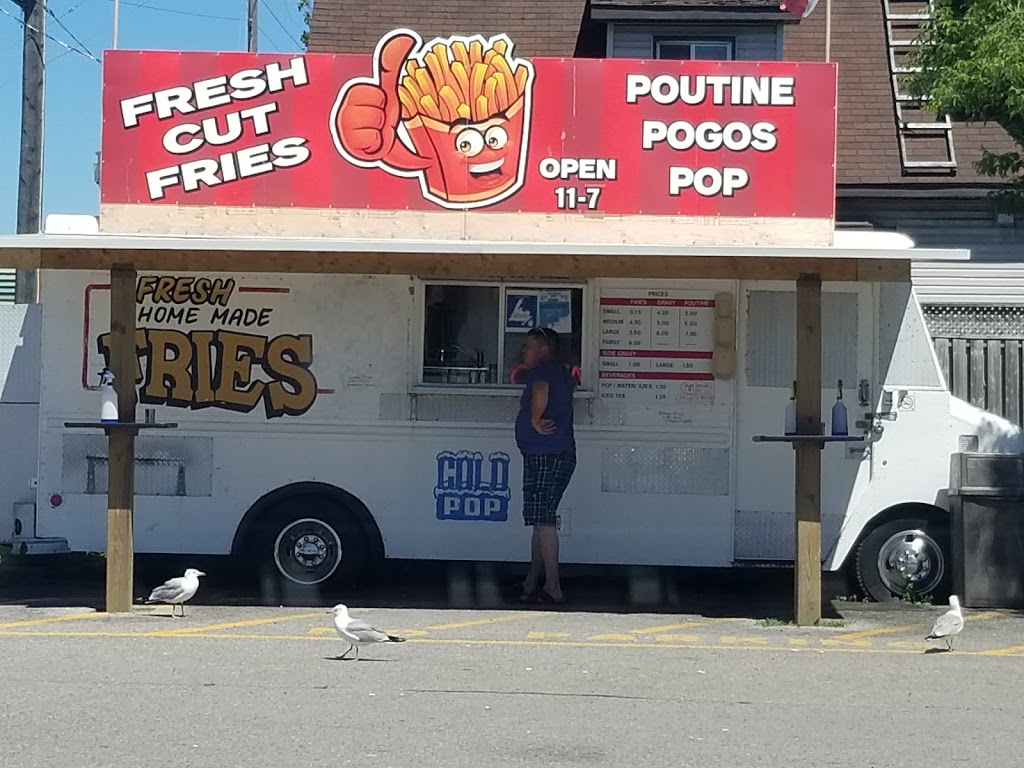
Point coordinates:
[[656, 346]]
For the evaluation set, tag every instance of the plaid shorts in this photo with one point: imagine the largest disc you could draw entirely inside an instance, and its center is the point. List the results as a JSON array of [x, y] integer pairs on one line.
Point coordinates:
[[545, 478]]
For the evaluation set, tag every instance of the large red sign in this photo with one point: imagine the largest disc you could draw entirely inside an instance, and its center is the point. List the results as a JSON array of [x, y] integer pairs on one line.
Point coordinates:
[[464, 123]]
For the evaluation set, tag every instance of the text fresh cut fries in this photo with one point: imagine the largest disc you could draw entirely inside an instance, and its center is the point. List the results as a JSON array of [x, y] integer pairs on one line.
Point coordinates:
[[461, 82]]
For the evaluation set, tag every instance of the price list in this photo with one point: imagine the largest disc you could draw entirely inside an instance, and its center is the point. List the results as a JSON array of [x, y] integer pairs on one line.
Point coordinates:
[[651, 340]]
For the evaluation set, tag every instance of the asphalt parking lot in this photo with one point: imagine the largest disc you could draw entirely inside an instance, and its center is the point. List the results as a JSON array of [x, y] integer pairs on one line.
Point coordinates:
[[248, 685], [988, 634]]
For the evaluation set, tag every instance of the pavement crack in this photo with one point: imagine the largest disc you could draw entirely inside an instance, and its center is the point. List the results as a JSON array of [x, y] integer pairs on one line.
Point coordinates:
[[537, 693]]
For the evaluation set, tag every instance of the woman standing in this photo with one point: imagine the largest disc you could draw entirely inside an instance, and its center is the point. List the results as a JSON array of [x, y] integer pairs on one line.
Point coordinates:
[[544, 435]]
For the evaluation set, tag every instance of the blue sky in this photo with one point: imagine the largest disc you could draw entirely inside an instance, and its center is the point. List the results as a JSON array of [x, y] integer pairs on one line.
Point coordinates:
[[72, 116]]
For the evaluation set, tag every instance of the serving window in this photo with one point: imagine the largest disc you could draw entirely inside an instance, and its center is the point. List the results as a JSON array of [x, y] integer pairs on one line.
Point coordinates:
[[473, 333]]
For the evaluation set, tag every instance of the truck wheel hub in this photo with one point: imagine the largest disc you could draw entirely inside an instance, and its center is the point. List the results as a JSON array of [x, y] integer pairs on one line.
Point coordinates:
[[910, 558], [310, 551]]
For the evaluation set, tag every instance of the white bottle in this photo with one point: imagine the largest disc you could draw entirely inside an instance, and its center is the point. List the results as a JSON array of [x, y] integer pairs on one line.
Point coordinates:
[[839, 414], [108, 403], [790, 426]]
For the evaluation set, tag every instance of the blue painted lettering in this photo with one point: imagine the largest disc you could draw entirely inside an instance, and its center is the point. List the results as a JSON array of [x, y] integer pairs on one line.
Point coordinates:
[[469, 489]]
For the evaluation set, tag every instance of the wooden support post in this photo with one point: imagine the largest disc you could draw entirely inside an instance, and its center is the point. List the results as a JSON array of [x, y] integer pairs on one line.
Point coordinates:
[[121, 466], [808, 454]]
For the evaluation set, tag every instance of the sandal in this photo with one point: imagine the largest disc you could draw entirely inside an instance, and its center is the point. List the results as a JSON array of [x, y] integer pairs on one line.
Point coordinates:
[[527, 597], [543, 597]]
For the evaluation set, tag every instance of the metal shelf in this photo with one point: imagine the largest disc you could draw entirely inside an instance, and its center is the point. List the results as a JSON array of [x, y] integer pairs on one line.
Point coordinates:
[[810, 439], [134, 426]]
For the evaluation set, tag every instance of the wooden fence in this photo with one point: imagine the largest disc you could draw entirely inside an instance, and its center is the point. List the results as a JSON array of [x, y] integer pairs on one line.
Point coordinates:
[[984, 372]]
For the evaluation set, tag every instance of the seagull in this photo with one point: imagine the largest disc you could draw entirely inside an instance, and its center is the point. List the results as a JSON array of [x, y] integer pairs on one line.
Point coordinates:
[[177, 591], [356, 632], [948, 624]]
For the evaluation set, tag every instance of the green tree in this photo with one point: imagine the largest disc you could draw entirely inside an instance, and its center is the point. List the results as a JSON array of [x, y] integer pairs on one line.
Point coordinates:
[[972, 68], [306, 9]]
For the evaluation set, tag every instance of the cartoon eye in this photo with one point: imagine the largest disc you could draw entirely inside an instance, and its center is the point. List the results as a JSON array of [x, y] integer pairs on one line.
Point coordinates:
[[497, 137], [469, 142]]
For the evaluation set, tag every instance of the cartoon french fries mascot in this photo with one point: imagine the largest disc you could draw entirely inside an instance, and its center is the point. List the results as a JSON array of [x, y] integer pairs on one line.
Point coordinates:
[[455, 114]]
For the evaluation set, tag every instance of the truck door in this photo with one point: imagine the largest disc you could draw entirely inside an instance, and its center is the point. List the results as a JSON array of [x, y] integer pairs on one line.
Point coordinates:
[[766, 369]]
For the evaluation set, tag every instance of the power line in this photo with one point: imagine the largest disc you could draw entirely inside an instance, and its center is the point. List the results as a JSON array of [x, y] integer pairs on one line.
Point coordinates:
[[179, 13], [17, 79], [273, 40], [65, 28], [48, 36], [60, 55], [73, 8], [279, 23]]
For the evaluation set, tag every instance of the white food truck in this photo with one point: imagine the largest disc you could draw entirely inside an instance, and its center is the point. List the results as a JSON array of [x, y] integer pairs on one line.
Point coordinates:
[[329, 421]]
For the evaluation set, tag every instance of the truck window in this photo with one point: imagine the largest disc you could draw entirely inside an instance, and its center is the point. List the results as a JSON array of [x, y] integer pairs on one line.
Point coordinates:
[[473, 334]]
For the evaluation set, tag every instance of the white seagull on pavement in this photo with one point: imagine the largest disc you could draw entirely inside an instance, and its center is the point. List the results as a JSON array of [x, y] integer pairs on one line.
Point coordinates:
[[177, 591], [356, 632], [949, 624]]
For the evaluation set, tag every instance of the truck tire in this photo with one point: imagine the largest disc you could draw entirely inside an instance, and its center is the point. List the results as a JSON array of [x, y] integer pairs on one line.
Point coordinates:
[[309, 541], [905, 558]]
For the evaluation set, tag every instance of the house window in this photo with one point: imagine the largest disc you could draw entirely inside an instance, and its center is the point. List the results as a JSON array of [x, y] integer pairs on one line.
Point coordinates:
[[694, 50], [473, 334]]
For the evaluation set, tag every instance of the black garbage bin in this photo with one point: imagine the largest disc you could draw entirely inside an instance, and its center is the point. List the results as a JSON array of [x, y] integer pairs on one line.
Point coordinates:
[[986, 503]]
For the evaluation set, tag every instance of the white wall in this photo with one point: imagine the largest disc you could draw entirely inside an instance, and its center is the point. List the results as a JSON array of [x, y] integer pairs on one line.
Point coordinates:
[[20, 338]]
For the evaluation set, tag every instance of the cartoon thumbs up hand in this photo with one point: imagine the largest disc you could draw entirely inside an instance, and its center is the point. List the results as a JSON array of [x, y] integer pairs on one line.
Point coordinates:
[[366, 122]]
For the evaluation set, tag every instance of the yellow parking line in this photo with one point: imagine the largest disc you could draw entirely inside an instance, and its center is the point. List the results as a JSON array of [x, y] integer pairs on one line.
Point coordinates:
[[846, 643], [234, 625], [51, 620], [40, 633], [738, 647], [743, 645], [732, 640], [983, 616], [668, 627], [910, 644], [874, 632], [482, 622], [1013, 650], [908, 627]]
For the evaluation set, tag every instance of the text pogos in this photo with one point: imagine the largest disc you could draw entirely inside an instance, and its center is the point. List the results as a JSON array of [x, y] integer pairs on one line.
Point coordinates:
[[710, 136]]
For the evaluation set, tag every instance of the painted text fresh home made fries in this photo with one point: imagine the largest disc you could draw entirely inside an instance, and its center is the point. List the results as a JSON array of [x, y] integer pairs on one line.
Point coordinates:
[[472, 85]]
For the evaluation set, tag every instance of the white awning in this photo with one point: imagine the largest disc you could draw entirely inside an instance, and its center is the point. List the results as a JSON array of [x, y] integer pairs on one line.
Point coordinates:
[[849, 245]]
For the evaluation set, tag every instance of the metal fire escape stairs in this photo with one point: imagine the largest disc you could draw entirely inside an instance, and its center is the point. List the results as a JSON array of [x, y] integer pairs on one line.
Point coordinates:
[[925, 139]]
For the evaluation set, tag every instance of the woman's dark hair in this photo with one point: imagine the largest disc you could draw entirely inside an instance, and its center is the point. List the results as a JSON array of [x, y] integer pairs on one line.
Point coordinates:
[[550, 338]]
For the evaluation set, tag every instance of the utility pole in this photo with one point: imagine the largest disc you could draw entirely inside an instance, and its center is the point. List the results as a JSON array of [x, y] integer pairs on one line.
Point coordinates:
[[254, 25], [113, 45], [30, 173]]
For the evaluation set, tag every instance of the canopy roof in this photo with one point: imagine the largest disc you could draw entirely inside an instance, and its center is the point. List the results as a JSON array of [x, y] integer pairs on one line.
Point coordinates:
[[855, 255]]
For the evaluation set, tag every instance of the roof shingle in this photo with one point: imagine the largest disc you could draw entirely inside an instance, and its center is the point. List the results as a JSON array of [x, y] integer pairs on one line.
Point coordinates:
[[689, 3], [868, 151], [539, 27]]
